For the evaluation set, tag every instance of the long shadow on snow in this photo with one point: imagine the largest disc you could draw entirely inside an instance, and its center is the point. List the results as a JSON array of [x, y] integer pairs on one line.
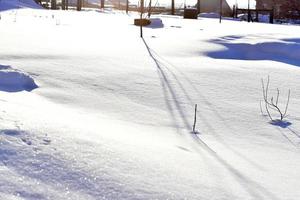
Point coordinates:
[[254, 189], [296, 133], [159, 63], [285, 51], [167, 87], [286, 125]]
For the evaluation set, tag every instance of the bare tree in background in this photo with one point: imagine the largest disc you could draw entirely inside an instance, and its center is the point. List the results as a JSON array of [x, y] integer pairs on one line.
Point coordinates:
[[173, 7], [149, 8], [53, 4], [79, 5]]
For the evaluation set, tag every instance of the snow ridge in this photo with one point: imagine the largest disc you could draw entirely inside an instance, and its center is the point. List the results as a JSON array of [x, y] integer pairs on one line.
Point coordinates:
[[12, 80], [16, 4]]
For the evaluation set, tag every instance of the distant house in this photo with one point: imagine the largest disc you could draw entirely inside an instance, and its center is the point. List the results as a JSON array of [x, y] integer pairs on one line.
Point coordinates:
[[282, 8], [208, 6]]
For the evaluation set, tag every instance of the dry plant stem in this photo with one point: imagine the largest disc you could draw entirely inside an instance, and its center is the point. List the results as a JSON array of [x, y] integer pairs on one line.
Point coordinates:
[[271, 104], [195, 118], [261, 110], [277, 97], [265, 95], [287, 103]]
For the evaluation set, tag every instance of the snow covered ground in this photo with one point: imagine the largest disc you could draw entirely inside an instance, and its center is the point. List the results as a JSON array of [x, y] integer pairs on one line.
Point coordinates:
[[18, 4], [88, 110]]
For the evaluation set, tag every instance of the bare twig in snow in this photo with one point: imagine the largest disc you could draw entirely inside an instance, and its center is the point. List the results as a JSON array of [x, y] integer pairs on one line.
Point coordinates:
[[269, 102]]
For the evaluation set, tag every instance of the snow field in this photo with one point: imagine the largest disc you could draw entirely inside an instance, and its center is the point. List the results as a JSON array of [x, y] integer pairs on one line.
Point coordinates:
[[112, 116]]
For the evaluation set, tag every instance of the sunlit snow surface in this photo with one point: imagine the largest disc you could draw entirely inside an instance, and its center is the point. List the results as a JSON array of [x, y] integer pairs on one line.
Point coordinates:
[[111, 114]]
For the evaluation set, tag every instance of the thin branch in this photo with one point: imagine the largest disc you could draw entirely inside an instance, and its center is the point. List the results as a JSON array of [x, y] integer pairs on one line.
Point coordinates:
[[277, 97], [261, 108], [267, 87], [287, 103], [265, 95]]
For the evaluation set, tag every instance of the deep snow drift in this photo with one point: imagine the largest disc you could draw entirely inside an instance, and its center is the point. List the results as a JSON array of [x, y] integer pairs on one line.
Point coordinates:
[[13, 80], [17, 4], [112, 116]]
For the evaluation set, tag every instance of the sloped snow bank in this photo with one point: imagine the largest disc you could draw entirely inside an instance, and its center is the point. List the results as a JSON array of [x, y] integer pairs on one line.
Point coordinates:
[[238, 48], [236, 155], [33, 165], [12, 80], [14, 4]]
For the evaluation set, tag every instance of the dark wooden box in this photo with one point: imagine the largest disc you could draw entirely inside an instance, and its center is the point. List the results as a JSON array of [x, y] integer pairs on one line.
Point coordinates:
[[190, 13], [145, 22]]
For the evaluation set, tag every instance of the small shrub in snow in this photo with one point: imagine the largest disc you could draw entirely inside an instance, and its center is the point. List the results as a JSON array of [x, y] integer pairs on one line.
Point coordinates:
[[271, 103]]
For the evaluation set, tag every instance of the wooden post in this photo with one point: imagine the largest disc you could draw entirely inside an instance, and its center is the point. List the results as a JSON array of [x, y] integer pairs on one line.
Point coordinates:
[[256, 16], [272, 16], [141, 18], [102, 3], [173, 7], [221, 5], [195, 119], [67, 4], [249, 13], [127, 6]]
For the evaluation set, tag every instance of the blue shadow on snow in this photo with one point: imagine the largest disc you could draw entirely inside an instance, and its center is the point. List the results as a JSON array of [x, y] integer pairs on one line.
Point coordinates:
[[285, 51]]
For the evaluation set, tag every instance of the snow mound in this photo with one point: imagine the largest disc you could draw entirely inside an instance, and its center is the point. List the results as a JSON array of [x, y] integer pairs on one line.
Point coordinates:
[[16, 4], [237, 48], [12, 80]]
